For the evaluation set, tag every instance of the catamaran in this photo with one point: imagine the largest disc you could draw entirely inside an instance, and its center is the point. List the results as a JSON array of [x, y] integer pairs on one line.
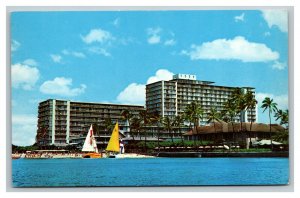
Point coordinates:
[[90, 146]]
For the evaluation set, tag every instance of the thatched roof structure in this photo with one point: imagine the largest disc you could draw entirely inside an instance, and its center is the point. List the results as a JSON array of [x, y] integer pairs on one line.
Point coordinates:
[[223, 127]]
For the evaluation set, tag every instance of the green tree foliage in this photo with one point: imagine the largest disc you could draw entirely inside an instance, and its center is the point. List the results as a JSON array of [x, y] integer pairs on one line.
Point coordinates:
[[268, 104], [193, 113]]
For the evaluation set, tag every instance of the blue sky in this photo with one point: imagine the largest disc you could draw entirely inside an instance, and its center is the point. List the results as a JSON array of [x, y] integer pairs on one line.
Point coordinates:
[[110, 56]]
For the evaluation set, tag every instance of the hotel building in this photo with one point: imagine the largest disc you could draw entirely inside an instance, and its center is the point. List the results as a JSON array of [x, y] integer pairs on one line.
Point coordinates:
[[170, 98], [63, 122]]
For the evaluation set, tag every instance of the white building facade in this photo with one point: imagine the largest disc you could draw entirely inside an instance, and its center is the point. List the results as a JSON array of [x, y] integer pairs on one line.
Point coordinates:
[[170, 98]]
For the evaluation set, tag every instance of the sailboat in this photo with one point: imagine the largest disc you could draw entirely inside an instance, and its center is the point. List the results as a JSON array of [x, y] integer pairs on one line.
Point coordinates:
[[113, 146], [90, 146]]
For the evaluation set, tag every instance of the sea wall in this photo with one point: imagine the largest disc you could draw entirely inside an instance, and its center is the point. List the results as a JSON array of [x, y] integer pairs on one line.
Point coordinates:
[[224, 154]]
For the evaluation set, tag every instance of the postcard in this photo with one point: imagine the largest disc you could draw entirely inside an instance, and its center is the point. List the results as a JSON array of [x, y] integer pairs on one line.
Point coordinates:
[[149, 98]]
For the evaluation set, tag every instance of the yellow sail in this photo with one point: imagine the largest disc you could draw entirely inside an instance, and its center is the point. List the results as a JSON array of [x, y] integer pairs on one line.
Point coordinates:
[[113, 144]]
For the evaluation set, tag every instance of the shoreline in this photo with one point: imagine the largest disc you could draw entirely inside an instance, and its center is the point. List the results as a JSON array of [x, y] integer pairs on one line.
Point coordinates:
[[168, 154]]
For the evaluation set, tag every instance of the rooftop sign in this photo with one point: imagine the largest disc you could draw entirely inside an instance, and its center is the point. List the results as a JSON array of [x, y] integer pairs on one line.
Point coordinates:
[[184, 76]]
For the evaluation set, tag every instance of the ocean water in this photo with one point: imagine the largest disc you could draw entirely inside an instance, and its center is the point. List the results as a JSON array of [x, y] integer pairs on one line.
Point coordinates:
[[149, 172]]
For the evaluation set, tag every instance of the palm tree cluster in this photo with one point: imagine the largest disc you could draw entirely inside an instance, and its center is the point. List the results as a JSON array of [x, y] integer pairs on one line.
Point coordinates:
[[233, 109], [240, 102], [171, 124], [193, 114], [138, 125], [237, 104], [283, 116]]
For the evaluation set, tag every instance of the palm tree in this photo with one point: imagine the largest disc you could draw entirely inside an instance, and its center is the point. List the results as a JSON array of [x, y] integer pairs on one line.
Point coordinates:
[[108, 125], [167, 124], [178, 123], [194, 113], [230, 110], [238, 98], [41, 134], [284, 120], [250, 105], [145, 120], [127, 116], [136, 126], [283, 116], [155, 121], [213, 116], [188, 117], [272, 107]]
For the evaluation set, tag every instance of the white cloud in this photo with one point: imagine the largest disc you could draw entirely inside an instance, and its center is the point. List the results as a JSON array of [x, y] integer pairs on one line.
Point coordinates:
[[281, 100], [170, 42], [78, 54], [239, 18], [15, 45], [21, 119], [153, 35], [135, 93], [100, 51], [24, 128], [61, 86], [279, 65], [267, 34], [36, 101], [56, 58], [30, 62], [154, 39], [278, 18], [97, 35], [73, 53], [126, 41], [161, 74], [232, 49], [152, 31], [24, 76], [65, 52]]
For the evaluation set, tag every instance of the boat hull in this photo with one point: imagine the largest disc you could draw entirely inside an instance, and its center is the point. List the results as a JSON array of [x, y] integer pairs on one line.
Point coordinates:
[[111, 156], [132, 155], [92, 155]]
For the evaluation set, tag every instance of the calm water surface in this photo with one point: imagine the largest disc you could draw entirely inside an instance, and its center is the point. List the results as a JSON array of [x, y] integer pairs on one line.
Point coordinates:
[[149, 172]]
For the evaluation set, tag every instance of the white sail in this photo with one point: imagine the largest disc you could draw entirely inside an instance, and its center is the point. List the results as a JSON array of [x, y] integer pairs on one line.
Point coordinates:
[[90, 144]]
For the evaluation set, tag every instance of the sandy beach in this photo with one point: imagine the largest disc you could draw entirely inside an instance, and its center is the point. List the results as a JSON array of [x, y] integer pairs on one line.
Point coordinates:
[[72, 155]]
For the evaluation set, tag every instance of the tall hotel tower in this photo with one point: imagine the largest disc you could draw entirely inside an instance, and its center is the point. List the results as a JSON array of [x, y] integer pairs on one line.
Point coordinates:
[[170, 98]]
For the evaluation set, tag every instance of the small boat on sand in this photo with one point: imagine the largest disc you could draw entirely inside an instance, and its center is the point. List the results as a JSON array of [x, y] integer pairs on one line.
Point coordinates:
[[15, 156], [90, 146], [116, 147], [113, 146]]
